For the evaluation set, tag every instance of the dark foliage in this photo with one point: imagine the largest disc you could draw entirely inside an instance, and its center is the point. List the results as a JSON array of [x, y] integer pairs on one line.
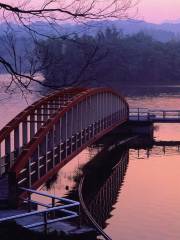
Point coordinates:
[[110, 58]]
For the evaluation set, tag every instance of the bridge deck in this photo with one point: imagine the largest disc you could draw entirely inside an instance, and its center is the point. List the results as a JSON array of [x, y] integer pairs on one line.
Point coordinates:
[[154, 116], [49, 133], [153, 120]]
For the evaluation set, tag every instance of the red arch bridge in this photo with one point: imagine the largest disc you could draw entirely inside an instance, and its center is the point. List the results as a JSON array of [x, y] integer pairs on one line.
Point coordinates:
[[50, 132]]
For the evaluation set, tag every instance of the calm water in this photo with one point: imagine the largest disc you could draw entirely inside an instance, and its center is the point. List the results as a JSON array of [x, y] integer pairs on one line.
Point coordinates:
[[147, 203]]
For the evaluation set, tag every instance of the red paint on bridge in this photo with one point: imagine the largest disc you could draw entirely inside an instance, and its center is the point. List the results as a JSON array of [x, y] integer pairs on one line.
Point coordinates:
[[87, 114]]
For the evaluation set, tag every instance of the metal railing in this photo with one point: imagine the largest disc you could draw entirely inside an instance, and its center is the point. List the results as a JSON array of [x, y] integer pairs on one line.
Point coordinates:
[[90, 115], [153, 114], [48, 215], [23, 128]]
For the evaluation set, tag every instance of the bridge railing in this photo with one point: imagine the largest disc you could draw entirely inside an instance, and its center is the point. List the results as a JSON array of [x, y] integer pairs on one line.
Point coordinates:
[[49, 214], [137, 113], [153, 114], [90, 115], [21, 130]]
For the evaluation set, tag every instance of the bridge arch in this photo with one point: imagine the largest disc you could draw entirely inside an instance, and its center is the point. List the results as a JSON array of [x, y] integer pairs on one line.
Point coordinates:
[[52, 131]]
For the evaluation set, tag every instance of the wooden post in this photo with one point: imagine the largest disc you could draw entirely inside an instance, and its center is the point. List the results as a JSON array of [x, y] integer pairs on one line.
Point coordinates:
[[138, 113], [7, 152], [79, 213], [32, 126], [164, 114], [12, 190], [53, 202], [24, 132], [45, 221], [16, 143], [29, 202], [39, 118]]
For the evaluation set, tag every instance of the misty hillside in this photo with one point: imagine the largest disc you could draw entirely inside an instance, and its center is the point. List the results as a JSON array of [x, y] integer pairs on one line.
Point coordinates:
[[137, 48], [162, 32], [119, 60]]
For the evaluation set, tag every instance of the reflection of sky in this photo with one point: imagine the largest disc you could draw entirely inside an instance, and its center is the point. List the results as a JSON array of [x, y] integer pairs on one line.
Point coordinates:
[[148, 205], [66, 176], [65, 181], [163, 132]]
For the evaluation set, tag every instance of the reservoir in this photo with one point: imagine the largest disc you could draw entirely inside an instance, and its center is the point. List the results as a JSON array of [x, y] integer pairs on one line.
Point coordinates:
[[145, 202]]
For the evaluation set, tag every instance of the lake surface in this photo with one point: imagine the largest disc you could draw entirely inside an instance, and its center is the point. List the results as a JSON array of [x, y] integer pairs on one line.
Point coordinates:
[[147, 202]]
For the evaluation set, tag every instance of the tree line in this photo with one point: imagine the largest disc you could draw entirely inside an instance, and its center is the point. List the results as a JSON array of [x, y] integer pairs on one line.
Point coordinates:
[[22, 70], [109, 58]]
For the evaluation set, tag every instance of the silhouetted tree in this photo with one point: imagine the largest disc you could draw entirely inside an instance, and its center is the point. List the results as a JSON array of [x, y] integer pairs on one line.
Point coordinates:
[[110, 58], [53, 13]]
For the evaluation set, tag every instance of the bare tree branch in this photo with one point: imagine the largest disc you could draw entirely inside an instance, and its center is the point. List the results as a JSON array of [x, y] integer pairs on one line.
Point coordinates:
[[54, 13]]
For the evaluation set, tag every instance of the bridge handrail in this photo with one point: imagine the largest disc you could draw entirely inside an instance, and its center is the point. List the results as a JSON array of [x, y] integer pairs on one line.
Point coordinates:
[[154, 115], [38, 212], [63, 208], [37, 139], [138, 108], [10, 126], [132, 110], [16, 134], [47, 195]]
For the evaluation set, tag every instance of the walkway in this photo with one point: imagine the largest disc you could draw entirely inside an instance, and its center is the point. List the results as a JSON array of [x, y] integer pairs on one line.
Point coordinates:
[[154, 116], [49, 133]]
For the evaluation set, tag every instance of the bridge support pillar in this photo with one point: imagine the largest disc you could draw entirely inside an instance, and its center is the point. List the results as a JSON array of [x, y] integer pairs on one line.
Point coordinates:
[[135, 128], [142, 128], [8, 193], [12, 190]]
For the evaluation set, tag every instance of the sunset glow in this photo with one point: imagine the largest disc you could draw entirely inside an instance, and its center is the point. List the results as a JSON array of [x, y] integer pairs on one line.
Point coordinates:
[[159, 11], [90, 119], [156, 11]]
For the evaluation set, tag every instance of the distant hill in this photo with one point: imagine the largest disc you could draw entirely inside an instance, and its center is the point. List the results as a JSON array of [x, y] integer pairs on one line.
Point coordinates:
[[162, 32], [172, 21]]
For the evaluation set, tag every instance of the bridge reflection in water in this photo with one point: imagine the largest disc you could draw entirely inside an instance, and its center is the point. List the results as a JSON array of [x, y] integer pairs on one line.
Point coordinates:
[[156, 151], [102, 183], [102, 204]]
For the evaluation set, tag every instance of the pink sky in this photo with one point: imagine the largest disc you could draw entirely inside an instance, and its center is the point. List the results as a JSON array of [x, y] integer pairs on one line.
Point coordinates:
[[159, 10], [149, 10]]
